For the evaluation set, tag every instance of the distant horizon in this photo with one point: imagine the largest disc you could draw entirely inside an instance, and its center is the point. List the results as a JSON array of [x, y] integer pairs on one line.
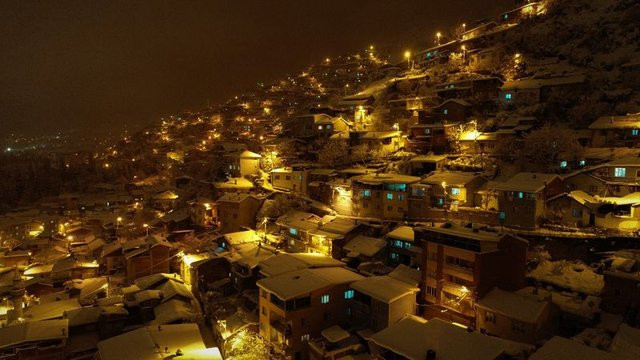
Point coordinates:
[[92, 66]]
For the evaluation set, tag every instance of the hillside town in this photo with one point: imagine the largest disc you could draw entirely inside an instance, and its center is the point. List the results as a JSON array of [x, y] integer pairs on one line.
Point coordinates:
[[475, 199]]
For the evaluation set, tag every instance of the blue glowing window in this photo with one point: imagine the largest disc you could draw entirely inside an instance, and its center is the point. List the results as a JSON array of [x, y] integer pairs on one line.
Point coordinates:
[[620, 172], [293, 231], [445, 111], [348, 294], [563, 164], [324, 299], [455, 191], [389, 196], [635, 132], [508, 96]]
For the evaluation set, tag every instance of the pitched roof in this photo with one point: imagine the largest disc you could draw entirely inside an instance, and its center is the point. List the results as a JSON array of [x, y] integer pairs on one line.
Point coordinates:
[[402, 233], [294, 284], [33, 331], [455, 178], [562, 348], [283, 263], [412, 337], [631, 121], [527, 182], [538, 83], [512, 305], [365, 245], [384, 288]]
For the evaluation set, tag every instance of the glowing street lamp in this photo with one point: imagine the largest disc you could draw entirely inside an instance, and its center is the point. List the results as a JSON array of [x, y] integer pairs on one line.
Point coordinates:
[[118, 221], [438, 37], [407, 55], [146, 226], [345, 89]]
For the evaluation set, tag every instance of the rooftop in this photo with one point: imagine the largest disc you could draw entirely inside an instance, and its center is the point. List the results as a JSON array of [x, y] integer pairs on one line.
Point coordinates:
[[283, 263], [384, 288], [377, 178], [457, 178], [527, 182], [364, 245], [297, 283], [515, 306], [631, 121]]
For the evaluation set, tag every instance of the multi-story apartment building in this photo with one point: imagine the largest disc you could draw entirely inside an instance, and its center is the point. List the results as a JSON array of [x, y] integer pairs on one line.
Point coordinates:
[[383, 196], [462, 264], [296, 306]]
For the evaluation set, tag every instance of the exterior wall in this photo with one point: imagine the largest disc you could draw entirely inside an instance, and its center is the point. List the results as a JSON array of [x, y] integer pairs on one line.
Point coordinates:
[[388, 204], [521, 213], [520, 96], [295, 180], [299, 323], [249, 166], [614, 137], [566, 211], [586, 183], [154, 262], [454, 112], [505, 327], [621, 294], [236, 216]]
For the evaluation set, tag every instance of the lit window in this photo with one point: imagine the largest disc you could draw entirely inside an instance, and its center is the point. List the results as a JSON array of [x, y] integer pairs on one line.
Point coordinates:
[[455, 191], [490, 317], [400, 197], [505, 16], [520, 195], [427, 131], [507, 96], [440, 201], [582, 162], [398, 243], [366, 193], [324, 299], [319, 127], [389, 196], [620, 172], [328, 127], [563, 164], [394, 256], [293, 231], [446, 111], [348, 294], [502, 216]]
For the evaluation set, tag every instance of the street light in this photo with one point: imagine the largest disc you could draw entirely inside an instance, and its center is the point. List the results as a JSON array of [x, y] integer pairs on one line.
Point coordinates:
[[438, 36], [345, 89], [146, 226], [407, 55], [118, 221], [464, 52]]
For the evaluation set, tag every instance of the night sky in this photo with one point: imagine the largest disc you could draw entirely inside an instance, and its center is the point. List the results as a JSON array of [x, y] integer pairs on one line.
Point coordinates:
[[104, 65]]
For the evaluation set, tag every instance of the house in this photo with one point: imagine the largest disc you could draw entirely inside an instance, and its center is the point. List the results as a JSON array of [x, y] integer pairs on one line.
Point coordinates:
[[618, 131], [515, 317], [378, 302], [242, 164], [146, 256], [34, 340], [559, 348], [327, 126], [386, 141], [621, 294], [579, 209], [296, 226], [234, 185], [245, 262], [166, 200], [306, 126], [293, 178], [529, 9], [482, 88], [434, 137], [403, 250], [522, 198], [452, 188], [332, 234], [424, 164], [335, 343], [452, 111], [485, 60], [382, 195], [621, 176], [463, 264], [203, 212], [414, 338], [148, 342], [361, 105], [532, 91], [237, 211], [296, 306]]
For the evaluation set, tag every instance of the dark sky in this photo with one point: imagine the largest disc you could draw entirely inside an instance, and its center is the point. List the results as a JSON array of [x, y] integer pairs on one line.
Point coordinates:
[[100, 65]]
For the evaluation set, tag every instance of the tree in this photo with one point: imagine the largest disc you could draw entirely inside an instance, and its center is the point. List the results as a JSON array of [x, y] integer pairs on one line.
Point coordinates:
[[333, 153], [543, 149], [279, 205], [247, 345]]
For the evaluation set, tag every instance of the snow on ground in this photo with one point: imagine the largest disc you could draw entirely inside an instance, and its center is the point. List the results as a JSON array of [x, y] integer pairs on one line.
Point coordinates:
[[572, 275]]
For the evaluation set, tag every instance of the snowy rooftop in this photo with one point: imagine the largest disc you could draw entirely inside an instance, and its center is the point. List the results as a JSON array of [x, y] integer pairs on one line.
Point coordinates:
[[143, 343], [299, 219], [512, 305], [457, 178], [402, 233], [376, 179], [283, 263], [32, 331], [234, 183], [538, 83], [384, 288], [337, 225], [562, 348], [242, 237], [527, 182], [428, 158], [335, 334], [364, 245], [631, 121], [233, 198], [294, 284], [412, 337]]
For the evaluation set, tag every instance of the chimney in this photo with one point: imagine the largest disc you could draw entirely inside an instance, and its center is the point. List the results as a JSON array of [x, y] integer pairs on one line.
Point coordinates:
[[431, 355]]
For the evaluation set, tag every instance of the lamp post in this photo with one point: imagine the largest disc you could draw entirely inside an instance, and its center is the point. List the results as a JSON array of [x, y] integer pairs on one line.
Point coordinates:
[[146, 226], [464, 52], [407, 55], [345, 89], [118, 221], [438, 36]]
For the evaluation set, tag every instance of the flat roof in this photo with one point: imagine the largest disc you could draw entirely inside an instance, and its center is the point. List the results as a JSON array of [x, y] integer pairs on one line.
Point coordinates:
[[364, 245], [458, 178], [527, 182], [515, 306], [384, 288], [283, 263]]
